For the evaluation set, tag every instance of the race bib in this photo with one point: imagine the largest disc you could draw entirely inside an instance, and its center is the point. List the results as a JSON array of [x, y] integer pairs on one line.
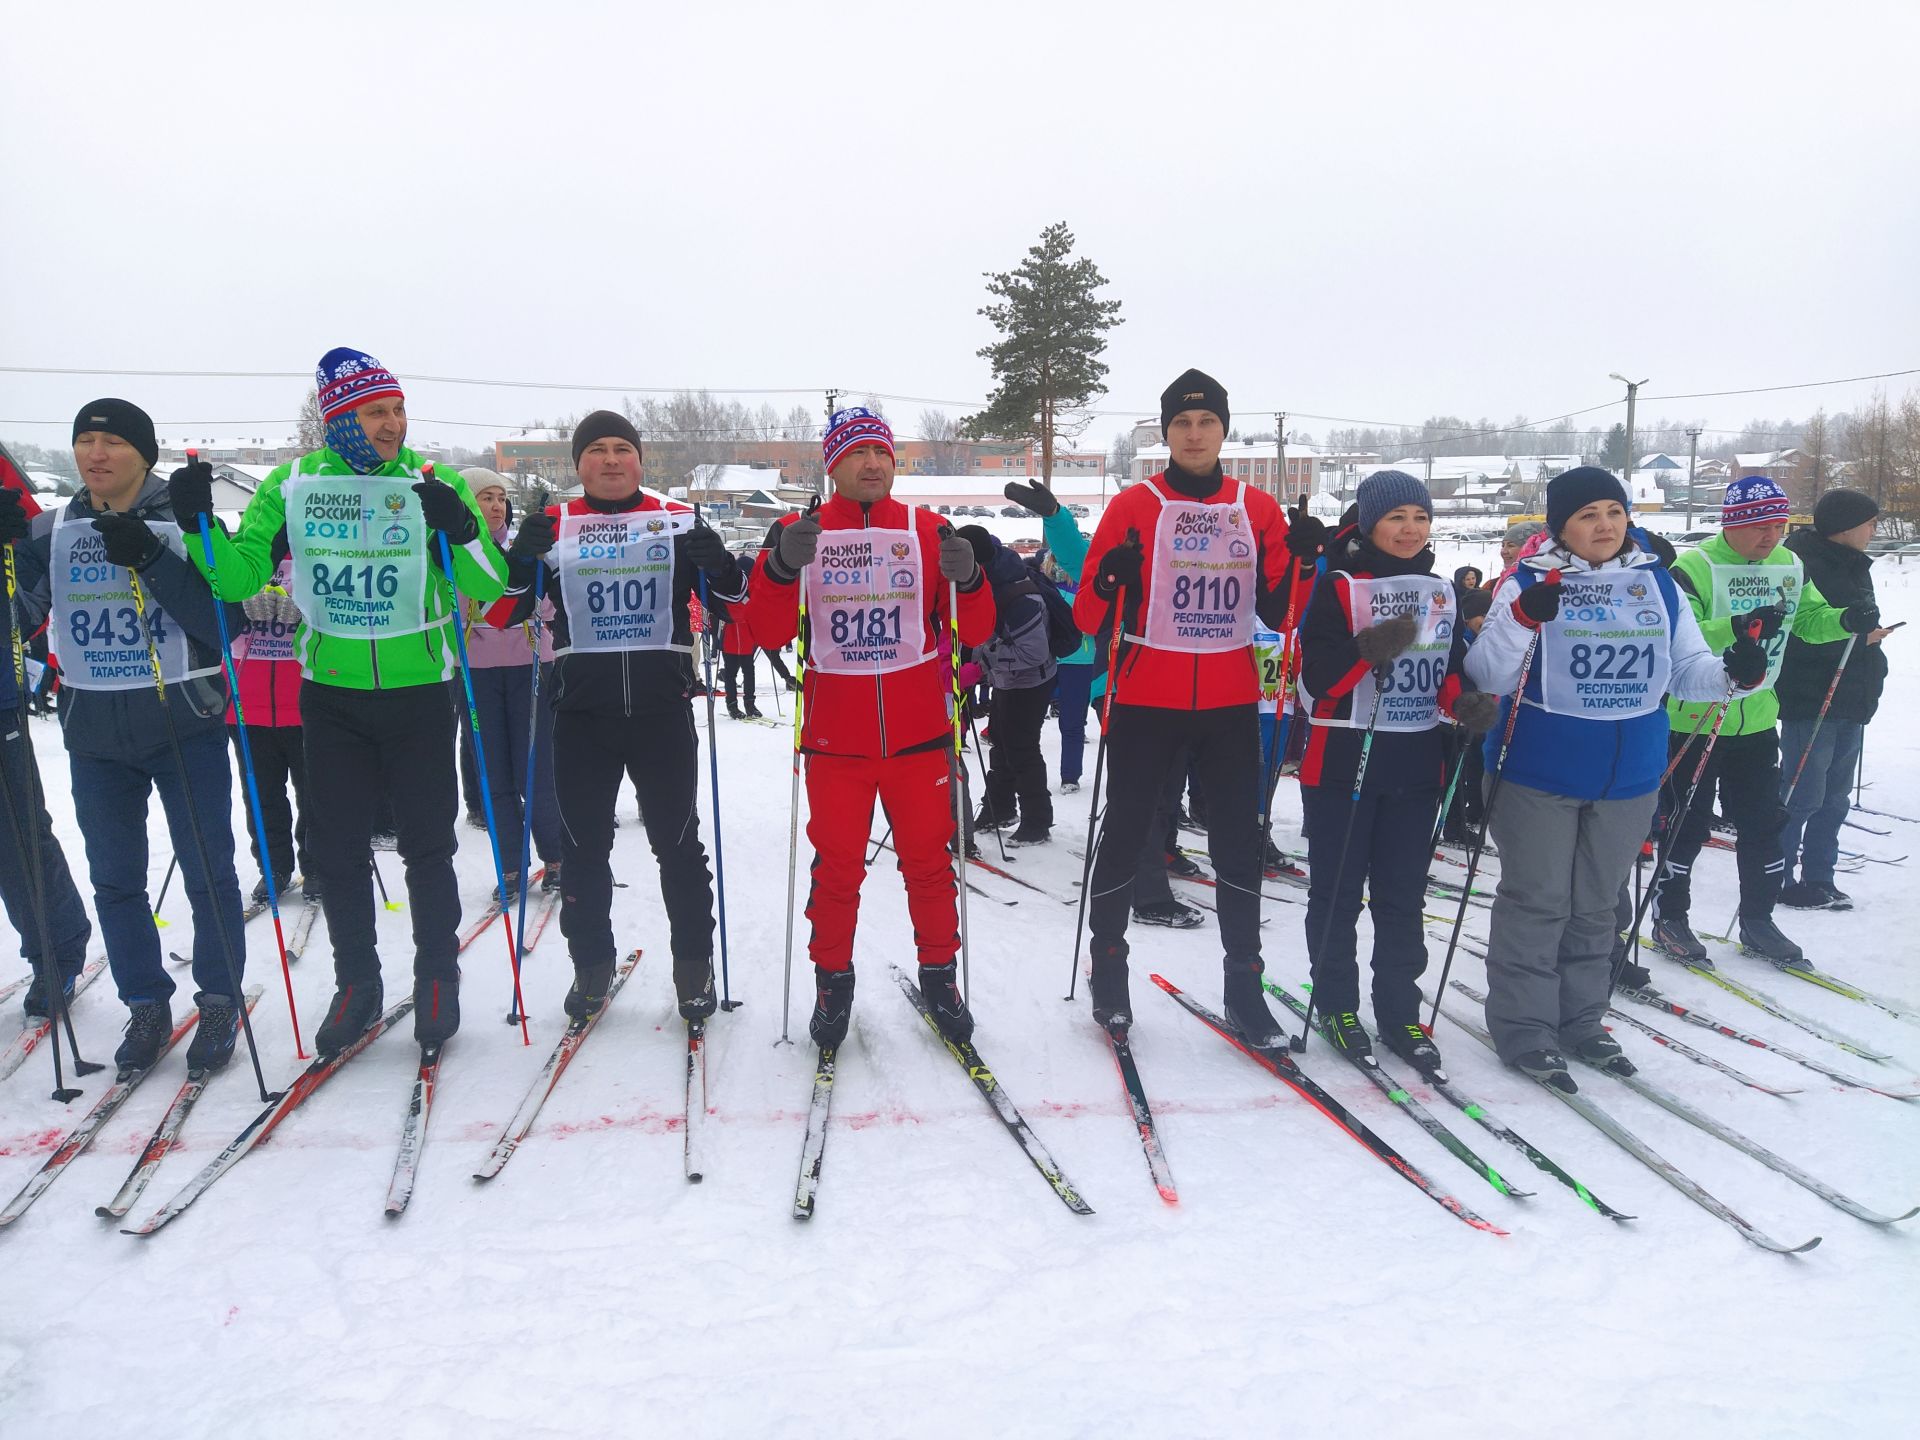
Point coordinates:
[[1606, 655], [359, 546], [616, 578], [1269, 659], [864, 603], [1204, 575], [270, 639], [1738, 589], [1408, 692], [97, 632]]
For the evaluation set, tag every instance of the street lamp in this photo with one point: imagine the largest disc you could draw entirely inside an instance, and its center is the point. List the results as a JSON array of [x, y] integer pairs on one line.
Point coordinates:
[[1633, 389]]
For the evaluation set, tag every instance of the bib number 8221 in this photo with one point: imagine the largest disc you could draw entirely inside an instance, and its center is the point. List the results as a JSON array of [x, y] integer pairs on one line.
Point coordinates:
[[1611, 662]]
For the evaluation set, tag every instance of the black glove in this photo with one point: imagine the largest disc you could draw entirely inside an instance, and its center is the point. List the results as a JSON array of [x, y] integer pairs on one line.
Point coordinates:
[[129, 539], [1746, 662], [1475, 711], [1381, 643], [1538, 603], [190, 492], [1769, 618], [1120, 568], [14, 520], [1036, 498], [706, 549], [1658, 546], [1859, 619], [798, 540], [957, 562], [538, 534], [446, 511], [1306, 535]]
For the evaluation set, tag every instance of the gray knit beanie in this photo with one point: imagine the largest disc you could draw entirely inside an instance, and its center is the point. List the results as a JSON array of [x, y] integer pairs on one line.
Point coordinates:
[[1387, 490]]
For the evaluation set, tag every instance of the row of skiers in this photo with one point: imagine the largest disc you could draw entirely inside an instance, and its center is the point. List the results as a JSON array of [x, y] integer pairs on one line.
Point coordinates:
[[1201, 604]]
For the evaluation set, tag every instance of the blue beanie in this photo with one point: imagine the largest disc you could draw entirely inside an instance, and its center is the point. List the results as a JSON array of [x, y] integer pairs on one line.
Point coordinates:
[[1571, 491], [1385, 491]]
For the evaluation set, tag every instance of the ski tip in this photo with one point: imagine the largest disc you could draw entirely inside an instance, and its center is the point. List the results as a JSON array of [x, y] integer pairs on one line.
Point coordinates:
[[107, 1212], [694, 1177], [1803, 1249]]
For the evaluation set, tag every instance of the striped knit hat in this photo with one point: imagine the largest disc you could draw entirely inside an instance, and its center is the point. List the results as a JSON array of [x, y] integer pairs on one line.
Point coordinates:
[[1755, 500], [349, 378], [855, 426]]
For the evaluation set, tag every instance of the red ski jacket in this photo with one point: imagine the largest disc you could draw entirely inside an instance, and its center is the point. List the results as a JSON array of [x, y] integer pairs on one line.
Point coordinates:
[[1185, 679], [871, 715]]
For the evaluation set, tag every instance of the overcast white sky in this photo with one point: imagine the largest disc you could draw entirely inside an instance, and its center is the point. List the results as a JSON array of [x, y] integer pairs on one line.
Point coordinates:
[[1381, 210]]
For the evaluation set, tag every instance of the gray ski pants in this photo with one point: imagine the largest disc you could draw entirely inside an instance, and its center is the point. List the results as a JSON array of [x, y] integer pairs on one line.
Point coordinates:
[[1550, 947]]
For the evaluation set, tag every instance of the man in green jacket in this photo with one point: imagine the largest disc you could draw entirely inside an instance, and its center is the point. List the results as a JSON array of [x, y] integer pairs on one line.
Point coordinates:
[[362, 518], [1740, 579]]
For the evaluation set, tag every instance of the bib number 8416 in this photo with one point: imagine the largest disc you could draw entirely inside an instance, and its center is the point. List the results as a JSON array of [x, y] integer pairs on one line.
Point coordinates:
[[370, 581]]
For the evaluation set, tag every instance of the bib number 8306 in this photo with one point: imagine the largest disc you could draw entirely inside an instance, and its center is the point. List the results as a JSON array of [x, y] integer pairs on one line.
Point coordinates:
[[865, 626], [370, 581], [1415, 675], [1611, 662]]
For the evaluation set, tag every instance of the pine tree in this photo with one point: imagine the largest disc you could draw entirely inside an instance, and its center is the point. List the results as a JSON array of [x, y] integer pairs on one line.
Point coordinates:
[[1046, 363]]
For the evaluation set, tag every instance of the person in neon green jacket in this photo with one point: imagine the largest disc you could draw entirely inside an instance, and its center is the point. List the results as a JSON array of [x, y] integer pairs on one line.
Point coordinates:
[[362, 519], [1741, 583]]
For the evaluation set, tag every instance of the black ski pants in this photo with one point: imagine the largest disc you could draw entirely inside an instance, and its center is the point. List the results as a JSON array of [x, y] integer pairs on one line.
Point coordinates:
[[1386, 862], [365, 746], [661, 753], [739, 671], [1143, 745], [1744, 771], [1015, 719], [279, 759]]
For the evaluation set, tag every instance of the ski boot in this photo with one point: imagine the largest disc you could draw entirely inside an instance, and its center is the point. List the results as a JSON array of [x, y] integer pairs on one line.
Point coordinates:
[[1549, 1067], [356, 1005], [1673, 935], [436, 1009], [1246, 1006], [550, 882], [588, 993], [1349, 1036], [1170, 913], [1603, 1052], [734, 712], [832, 1007], [989, 819], [940, 987], [149, 1023], [1760, 936], [281, 884], [693, 983], [1836, 899], [1416, 1047], [1809, 895], [753, 711], [1635, 977], [1107, 986], [1030, 833], [214, 1037], [39, 1003], [1181, 865]]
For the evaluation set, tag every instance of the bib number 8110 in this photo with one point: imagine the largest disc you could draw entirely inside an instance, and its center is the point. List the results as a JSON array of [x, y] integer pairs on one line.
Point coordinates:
[[1611, 662], [370, 581], [871, 625], [1218, 594]]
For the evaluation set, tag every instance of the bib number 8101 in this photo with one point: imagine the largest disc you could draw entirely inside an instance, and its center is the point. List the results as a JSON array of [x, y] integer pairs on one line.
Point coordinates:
[[1611, 662], [631, 597]]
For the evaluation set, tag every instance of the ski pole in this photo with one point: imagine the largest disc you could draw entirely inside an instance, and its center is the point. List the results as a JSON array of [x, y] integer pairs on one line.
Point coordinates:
[[956, 780], [1117, 613], [1299, 1042], [27, 841], [199, 838], [1486, 822], [254, 810], [1283, 708], [380, 880], [986, 790], [880, 844], [533, 745], [727, 1002], [793, 800], [1446, 798], [165, 881], [1833, 685], [480, 763]]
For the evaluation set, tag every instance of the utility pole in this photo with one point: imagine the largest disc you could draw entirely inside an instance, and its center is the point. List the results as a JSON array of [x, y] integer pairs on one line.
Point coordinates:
[[1633, 389], [1693, 449], [833, 403], [1280, 448]]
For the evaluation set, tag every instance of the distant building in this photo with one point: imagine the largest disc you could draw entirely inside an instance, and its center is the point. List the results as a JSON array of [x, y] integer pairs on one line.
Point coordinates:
[[1259, 465]]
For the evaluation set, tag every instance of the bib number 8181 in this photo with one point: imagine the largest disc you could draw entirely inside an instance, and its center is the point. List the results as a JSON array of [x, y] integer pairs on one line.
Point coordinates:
[[870, 625]]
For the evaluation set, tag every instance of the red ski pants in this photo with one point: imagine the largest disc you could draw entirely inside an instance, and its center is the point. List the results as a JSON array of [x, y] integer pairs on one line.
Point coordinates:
[[918, 800]]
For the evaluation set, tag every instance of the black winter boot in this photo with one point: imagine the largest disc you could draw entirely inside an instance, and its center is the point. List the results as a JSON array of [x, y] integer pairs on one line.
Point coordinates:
[[149, 1023], [214, 1036]]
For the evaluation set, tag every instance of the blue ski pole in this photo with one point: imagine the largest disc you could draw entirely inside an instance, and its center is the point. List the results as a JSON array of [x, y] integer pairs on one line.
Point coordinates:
[[514, 1017]]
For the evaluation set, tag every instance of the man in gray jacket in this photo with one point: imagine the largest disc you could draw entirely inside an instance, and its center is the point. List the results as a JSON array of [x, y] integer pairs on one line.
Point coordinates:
[[1020, 667], [93, 567]]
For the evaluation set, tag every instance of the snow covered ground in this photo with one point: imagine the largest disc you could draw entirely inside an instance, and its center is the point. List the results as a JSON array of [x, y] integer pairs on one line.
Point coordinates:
[[1299, 1286]]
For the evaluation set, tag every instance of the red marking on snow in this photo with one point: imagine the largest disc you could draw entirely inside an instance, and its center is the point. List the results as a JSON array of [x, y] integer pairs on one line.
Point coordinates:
[[233, 1313], [40, 1142]]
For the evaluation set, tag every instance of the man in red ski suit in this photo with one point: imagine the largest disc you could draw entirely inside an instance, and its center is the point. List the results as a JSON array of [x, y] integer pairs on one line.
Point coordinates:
[[1196, 555], [874, 576]]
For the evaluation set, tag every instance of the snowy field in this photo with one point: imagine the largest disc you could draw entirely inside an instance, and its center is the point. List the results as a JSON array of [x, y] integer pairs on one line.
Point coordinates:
[[1299, 1286]]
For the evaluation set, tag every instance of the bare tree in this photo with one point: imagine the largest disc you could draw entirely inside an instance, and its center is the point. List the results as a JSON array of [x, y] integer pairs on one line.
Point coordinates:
[[1815, 441], [312, 430], [1120, 458], [946, 439]]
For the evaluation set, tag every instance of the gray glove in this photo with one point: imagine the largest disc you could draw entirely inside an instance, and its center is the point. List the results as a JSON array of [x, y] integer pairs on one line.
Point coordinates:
[[798, 541], [1476, 711], [1381, 644], [956, 557], [271, 605]]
